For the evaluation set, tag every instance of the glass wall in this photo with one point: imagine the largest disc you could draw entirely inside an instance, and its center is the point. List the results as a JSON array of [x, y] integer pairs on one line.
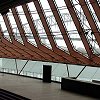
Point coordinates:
[[35, 69]]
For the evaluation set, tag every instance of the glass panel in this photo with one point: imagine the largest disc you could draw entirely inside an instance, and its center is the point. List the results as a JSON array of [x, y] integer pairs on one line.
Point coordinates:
[[14, 27], [20, 64], [70, 26], [77, 42], [28, 32], [59, 67], [53, 25], [96, 75], [35, 69], [98, 2], [80, 14], [90, 34], [88, 73], [74, 70], [86, 26], [38, 24], [4, 28], [93, 42], [10, 67]]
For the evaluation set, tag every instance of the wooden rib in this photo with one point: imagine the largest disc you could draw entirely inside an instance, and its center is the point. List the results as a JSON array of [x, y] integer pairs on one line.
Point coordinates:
[[36, 36], [96, 8], [90, 20], [21, 46], [22, 33], [11, 34], [49, 34], [60, 23], [81, 32]]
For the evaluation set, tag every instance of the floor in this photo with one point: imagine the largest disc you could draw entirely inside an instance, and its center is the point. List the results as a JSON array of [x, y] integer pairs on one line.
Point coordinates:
[[35, 89]]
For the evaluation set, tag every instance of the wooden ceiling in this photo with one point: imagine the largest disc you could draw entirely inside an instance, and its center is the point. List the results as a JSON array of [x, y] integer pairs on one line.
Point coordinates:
[[17, 50]]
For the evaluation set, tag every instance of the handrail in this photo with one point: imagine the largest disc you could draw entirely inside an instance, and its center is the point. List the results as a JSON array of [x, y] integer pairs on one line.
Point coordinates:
[[33, 74]]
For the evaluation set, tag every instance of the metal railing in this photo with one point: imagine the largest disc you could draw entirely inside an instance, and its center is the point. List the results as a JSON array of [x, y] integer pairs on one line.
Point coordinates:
[[30, 74]]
